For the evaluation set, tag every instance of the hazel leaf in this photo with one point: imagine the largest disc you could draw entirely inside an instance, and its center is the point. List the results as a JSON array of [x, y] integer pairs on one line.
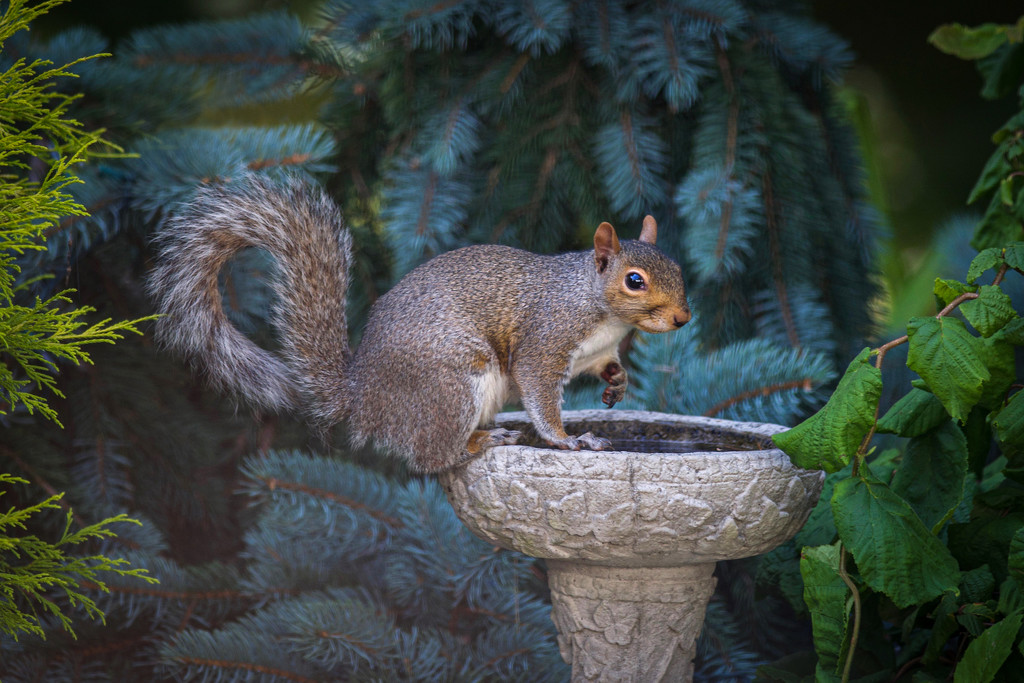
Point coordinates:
[[986, 259], [896, 554], [947, 357], [829, 439], [990, 311]]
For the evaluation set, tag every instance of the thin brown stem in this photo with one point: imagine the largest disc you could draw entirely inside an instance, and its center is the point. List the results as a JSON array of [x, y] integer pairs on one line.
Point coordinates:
[[274, 484], [885, 348], [951, 306], [1001, 274], [906, 667], [863, 448], [805, 384], [856, 613], [230, 665], [730, 145]]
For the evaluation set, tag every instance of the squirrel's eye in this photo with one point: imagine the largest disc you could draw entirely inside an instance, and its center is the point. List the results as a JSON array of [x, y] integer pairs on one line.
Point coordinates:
[[635, 281]]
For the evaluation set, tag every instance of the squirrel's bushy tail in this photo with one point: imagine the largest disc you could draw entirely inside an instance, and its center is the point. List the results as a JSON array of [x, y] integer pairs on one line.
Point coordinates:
[[303, 229]]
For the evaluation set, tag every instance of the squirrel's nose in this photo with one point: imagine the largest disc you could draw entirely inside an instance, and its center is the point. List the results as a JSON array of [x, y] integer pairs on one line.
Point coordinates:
[[681, 317]]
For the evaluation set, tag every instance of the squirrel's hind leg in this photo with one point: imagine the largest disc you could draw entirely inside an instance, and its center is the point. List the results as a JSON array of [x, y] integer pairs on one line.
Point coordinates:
[[429, 412], [488, 391], [482, 439], [479, 441]]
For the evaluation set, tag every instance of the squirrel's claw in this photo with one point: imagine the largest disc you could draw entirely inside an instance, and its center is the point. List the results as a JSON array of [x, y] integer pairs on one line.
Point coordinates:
[[617, 379], [584, 441], [504, 437], [613, 395], [594, 443]]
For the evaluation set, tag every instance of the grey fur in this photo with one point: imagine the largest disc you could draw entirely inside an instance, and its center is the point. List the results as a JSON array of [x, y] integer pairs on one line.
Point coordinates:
[[442, 351], [303, 229]]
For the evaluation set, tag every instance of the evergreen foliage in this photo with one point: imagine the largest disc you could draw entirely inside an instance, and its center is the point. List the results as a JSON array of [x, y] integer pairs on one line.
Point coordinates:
[[40, 569], [925, 542], [435, 125], [39, 143]]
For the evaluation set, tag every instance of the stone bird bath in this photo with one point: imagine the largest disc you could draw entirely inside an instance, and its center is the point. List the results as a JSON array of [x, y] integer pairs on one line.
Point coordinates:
[[631, 536]]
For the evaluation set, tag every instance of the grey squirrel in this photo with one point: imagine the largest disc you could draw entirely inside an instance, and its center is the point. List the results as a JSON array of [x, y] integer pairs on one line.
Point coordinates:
[[443, 350]]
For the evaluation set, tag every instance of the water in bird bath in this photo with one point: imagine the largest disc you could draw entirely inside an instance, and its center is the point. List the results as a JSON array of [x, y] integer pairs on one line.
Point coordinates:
[[651, 436]]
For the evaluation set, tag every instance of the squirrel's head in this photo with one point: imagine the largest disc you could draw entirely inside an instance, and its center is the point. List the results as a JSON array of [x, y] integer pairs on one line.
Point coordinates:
[[642, 285]]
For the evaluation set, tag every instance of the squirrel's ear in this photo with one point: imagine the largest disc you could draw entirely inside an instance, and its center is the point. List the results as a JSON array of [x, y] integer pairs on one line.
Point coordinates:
[[649, 233], [606, 245]]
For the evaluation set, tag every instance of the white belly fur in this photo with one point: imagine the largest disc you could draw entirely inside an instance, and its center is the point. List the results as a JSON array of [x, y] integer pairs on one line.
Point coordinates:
[[602, 345], [493, 388], [597, 349]]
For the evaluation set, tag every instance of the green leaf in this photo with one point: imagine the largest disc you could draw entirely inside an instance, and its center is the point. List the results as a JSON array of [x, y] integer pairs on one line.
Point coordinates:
[[984, 656], [1009, 130], [988, 258], [977, 585], [973, 617], [895, 552], [829, 439], [1010, 597], [781, 568], [947, 357], [1009, 424], [820, 529], [884, 464], [990, 311], [1014, 255], [931, 476], [916, 413], [1015, 561], [826, 594], [1017, 203], [1013, 332], [920, 384], [978, 433], [997, 227], [947, 290], [1006, 191], [995, 170], [968, 42], [985, 540], [945, 626], [1002, 71], [998, 355]]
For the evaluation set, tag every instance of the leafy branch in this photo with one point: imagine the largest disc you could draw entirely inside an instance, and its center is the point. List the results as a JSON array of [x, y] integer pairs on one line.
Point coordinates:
[[909, 520], [892, 529]]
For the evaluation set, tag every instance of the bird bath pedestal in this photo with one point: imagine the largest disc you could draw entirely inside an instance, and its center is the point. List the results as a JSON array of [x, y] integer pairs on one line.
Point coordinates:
[[631, 535]]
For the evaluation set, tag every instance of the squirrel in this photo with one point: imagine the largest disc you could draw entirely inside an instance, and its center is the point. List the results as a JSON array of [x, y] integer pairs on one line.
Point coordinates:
[[442, 351]]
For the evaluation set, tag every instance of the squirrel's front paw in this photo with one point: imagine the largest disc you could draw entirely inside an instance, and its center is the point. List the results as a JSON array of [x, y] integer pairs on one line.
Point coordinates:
[[617, 379], [587, 440], [594, 443]]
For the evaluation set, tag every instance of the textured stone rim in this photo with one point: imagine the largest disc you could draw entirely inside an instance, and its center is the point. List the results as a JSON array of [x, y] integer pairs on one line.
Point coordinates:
[[627, 508]]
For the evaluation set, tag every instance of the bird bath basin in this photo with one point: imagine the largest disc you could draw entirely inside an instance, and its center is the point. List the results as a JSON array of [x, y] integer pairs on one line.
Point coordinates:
[[631, 536]]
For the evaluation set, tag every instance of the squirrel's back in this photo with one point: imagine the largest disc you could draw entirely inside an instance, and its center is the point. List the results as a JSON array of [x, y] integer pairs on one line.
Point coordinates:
[[483, 290]]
